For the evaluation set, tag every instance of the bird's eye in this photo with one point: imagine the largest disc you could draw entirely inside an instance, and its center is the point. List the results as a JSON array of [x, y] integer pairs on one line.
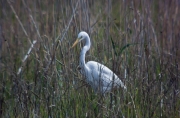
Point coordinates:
[[81, 37]]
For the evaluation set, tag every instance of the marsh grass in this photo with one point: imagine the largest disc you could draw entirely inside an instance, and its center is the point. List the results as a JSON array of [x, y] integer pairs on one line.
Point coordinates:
[[139, 40]]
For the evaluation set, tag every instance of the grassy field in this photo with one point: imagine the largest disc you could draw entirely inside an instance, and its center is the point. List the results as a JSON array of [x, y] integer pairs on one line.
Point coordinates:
[[138, 39]]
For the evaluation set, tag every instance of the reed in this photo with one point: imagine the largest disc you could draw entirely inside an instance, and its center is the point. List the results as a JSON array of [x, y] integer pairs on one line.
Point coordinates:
[[139, 40]]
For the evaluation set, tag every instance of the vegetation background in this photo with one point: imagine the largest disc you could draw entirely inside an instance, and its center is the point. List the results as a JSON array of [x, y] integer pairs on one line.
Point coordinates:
[[138, 39]]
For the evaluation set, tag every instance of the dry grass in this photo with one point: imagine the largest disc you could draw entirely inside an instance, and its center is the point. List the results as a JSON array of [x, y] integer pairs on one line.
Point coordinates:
[[139, 40]]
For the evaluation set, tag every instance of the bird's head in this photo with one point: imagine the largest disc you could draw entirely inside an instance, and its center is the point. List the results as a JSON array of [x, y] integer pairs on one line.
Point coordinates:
[[81, 36]]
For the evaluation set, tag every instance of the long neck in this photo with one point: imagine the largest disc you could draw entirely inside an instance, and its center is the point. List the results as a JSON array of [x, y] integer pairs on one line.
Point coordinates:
[[83, 51]]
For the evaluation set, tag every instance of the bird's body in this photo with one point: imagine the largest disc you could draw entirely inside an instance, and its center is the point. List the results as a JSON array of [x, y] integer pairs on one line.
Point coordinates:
[[100, 77]]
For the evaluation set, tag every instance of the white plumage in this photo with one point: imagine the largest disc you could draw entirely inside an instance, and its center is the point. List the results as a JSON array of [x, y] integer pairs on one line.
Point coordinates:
[[100, 77]]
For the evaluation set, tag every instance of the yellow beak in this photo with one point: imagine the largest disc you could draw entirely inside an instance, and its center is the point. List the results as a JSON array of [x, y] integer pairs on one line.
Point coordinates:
[[75, 43]]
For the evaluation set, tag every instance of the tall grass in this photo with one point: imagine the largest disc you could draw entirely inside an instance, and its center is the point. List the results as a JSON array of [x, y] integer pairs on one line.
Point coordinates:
[[139, 40]]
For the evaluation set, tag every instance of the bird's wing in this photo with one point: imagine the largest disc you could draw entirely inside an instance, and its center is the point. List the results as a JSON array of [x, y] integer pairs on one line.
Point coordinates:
[[105, 74]]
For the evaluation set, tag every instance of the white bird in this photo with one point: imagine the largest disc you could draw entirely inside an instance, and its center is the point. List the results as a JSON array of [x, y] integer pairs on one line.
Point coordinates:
[[100, 77]]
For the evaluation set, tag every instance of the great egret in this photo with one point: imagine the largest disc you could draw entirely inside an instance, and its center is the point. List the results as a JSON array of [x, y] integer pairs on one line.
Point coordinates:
[[100, 77]]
